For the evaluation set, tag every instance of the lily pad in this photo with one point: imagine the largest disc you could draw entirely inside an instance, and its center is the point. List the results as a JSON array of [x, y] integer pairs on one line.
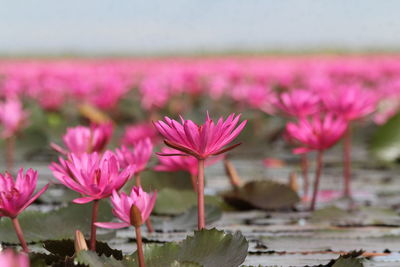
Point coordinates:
[[364, 216], [385, 144], [207, 248], [266, 195], [91, 259], [187, 220], [172, 202], [54, 225]]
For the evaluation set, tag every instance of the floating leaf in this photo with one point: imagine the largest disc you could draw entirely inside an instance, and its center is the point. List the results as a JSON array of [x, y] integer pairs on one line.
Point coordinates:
[[91, 259], [385, 144], [66, 248], [185, 264], [152, 180], [266, 195], [328, 214], [187, 220], [53, 225], [214, 248], [207, 248], [172, 201]]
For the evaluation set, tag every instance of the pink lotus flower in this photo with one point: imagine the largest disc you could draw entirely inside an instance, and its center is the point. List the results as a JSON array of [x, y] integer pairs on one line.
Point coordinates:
[[139, 131], [16, 196], [201, 141], [9, 258], [12, 116], [82, 139], [122, 204], [138, 156], [93, 175], [350, 102], [316, 133], [180, 163], [298, 103]]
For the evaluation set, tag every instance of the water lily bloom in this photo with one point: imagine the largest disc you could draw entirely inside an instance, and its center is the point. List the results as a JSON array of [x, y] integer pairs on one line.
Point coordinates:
[[298, 103], [82, 139], [15, 196], [12, 116], [10, 258], [138, 156], [351, 103], [95, 176], [200, 141], [122, 204], [317, 133], [137, 132]]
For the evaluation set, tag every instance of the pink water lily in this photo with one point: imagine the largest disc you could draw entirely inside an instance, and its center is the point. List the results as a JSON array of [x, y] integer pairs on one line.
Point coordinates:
[[138, 156], [12, 116], [122, 204], [316, 133], [10, 258], [93, 175], [200, 141], [82, 139], [298, 103], [140, 131], [15, 196]]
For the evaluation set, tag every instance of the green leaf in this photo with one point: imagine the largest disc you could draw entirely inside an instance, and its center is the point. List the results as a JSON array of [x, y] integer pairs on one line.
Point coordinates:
[[208, 248], [152, 180], [187, 220], [66, 247], [172, 202], [266, 195], [385, 144], [91, 259], [53, 225], [328, 214], [214, 248], [185, 264], [349, 260]]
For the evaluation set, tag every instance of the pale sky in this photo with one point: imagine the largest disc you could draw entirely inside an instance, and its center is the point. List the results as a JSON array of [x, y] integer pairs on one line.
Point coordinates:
[[173, 26]]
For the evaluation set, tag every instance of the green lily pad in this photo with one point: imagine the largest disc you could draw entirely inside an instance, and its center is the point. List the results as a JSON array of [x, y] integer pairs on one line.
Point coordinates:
[[187, 220], [385, 143], [54, 225], [207, 248], [92, 259], [172, 202], [266, 195]]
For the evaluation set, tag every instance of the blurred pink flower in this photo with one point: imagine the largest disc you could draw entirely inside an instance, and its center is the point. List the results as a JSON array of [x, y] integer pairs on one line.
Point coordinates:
[[200, 141], [16, 196], [82, 139], [137, 132], [122, 204], [12, 116], [180, 163], [350, 102], [298, 103], [10, 258], [317, 133], [138, 156], [93, 175]]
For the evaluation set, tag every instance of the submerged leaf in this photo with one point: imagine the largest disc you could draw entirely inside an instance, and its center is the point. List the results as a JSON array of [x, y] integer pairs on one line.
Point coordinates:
[[172, 202], [266, 195], [53, 225], [187, 220]]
